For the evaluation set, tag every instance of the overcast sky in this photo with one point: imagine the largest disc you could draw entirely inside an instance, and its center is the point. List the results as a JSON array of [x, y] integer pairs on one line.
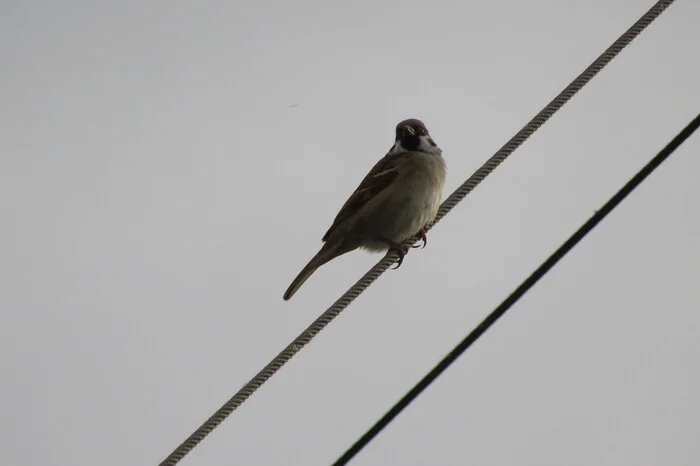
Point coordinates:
[[167, 168]]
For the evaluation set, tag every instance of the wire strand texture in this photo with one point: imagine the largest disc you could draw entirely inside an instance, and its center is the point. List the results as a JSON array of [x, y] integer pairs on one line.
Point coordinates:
[[457, 196]]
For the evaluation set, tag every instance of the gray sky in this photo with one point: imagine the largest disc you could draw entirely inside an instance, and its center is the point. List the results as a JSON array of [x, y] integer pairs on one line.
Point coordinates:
[[166, 168]]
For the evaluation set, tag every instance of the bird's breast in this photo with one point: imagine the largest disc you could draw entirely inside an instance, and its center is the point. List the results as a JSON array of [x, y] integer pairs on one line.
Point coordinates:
[[417, 204]]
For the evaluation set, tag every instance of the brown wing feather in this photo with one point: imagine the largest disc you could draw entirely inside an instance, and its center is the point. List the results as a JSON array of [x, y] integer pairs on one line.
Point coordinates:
[[378, 179]]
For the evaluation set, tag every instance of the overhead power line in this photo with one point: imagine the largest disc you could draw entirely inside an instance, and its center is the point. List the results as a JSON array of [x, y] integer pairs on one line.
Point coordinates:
[[344, 301], [518, 293]]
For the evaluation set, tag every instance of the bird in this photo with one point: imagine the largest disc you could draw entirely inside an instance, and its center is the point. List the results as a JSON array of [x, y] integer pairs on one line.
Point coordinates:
[[399, 198]]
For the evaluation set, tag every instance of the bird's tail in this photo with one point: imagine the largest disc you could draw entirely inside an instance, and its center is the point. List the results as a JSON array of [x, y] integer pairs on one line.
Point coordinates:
[[326, 253]]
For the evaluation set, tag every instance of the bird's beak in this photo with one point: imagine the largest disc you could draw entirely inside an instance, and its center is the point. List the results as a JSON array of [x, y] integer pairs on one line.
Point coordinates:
[[410, 130]]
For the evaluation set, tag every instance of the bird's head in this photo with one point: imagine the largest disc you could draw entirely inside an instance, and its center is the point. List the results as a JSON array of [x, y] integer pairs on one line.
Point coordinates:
[[412, 135]]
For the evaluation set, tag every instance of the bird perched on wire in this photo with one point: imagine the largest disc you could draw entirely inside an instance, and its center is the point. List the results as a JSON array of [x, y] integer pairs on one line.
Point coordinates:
[[397, 199]]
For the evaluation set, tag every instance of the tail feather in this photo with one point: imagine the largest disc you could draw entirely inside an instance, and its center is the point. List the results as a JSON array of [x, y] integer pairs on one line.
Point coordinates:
[[326, 253], [304, 275]]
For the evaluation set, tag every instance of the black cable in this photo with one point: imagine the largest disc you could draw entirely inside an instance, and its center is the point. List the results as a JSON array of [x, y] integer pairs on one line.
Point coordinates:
[[518, 293]]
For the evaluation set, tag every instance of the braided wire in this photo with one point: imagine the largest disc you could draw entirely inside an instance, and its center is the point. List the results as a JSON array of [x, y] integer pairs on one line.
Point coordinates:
[[460, 193]]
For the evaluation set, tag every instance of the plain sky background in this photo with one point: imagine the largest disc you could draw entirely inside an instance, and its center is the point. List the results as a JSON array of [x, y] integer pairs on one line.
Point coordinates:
[[167, 167]]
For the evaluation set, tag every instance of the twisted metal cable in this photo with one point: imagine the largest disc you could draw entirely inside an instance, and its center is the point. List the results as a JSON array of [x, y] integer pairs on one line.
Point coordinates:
[[363, 283]]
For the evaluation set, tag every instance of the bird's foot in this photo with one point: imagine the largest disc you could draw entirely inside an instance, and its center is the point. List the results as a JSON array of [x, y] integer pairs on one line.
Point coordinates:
[[400, 248], [424, 238]]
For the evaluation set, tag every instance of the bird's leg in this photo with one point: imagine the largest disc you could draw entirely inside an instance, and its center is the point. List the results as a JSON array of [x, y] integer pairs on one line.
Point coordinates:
[[422, 237], [400, 248]]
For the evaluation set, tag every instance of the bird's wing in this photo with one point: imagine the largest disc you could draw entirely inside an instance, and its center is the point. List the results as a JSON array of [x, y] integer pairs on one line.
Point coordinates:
[[378, 179]]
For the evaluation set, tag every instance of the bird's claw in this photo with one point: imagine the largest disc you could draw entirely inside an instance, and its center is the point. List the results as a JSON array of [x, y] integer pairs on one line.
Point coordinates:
[[423, 238], [401, 249]]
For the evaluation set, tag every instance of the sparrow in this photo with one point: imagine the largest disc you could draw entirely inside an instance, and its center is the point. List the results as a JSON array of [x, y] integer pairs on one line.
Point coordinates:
[[397, 199]]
